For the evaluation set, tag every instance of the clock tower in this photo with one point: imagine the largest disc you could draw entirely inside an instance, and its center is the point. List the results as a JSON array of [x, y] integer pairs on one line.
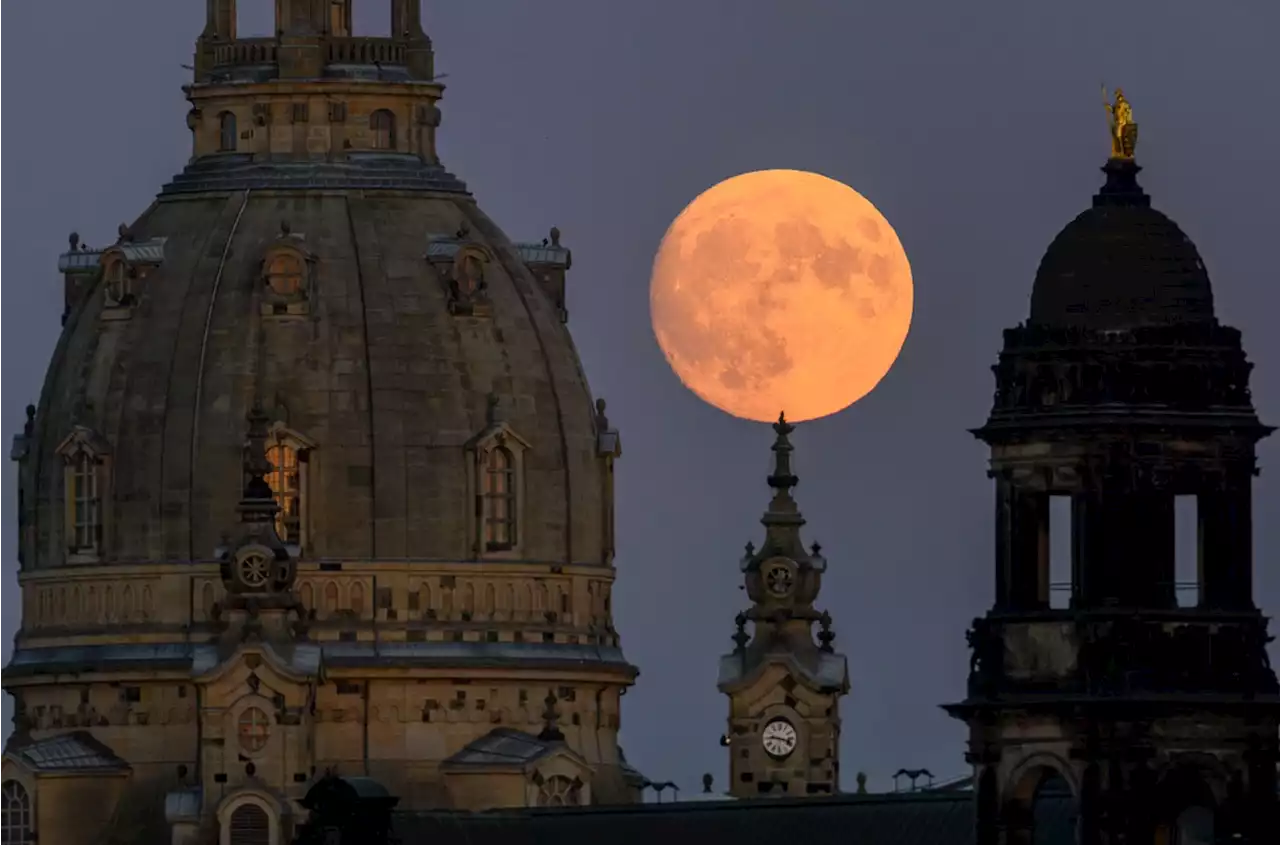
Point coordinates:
[[784, 687]]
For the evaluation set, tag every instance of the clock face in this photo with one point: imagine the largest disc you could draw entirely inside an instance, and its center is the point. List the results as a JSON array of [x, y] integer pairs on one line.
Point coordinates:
[[779, 738]]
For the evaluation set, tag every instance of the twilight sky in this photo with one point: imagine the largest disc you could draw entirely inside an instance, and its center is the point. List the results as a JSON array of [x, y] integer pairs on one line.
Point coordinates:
[[977, 130]]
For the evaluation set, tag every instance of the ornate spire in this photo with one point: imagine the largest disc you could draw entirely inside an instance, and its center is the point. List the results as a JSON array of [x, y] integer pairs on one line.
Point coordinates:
[[550, 718], [258, 503], [782, 520]]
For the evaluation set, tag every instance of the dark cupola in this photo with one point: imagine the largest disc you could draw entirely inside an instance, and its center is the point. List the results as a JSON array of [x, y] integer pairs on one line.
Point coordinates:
[[1121, 264]]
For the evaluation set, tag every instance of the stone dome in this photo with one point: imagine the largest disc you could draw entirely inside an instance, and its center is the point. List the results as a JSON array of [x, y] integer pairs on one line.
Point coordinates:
[[315, 442], [1121, 264], [368, 363]]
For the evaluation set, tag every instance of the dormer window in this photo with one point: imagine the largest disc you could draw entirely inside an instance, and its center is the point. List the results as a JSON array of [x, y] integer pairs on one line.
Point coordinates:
[[227, 136], [496, 483], [85, 480], [116, 278], [382, 128], [499, 500], [287, 490], [289, 455], [87, 522], [284, 274]]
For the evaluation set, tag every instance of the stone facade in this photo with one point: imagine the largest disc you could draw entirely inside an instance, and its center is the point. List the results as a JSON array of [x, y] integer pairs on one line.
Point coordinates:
[[438, 473]]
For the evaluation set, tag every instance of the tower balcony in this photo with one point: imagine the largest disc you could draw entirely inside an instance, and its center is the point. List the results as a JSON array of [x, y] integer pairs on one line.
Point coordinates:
[[269, 58]]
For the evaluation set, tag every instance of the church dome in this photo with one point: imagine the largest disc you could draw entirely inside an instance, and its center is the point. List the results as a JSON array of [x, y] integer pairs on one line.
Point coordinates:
[[315, 441], [382, 333], [1121, 264]]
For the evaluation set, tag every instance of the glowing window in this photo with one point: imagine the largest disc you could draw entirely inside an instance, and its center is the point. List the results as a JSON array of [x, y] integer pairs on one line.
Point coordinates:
[[254, 729], [499, 501], [382, 125], [285, 483], [284, 274], [15, 827]]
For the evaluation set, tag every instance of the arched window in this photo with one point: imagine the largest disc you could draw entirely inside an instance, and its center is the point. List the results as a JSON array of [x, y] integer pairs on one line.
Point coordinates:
[[286, 487], [499, 507], [16, 826], [357, 598], [88, 504], [468, 598], [307, 595], [490, 601], [1051, 802], [559, 791], [254, 729], [330, 598], [1195, 827], [382, 126], [207, 600], [284, 274], [250, 825], [227, 136]]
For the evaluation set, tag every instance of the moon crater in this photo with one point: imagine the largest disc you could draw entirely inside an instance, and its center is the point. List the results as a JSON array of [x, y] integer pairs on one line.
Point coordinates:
[[781, 290]]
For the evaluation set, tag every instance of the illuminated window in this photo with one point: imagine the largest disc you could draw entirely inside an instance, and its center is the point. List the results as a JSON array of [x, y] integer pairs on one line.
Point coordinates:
[[15, 827], [227, 132], [284, 274], [254, 729], [382, 125], [499, 500], [286, 487], [87, 522]]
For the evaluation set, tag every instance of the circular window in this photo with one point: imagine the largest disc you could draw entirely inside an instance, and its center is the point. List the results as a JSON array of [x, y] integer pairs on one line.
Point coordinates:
[[255, 571], [254, 728]]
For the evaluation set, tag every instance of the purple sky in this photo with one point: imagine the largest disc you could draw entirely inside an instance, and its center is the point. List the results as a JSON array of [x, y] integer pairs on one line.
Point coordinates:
[[975, 127]]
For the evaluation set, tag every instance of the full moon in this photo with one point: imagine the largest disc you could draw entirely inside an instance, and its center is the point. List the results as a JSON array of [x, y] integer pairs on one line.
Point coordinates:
[[781, 290]]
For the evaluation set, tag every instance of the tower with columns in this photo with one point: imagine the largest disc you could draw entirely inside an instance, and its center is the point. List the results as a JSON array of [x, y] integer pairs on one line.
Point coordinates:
[[1120, 393]]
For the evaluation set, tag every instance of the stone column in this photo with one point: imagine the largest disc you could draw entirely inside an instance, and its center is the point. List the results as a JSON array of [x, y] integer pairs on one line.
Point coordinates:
[[1226, 545]]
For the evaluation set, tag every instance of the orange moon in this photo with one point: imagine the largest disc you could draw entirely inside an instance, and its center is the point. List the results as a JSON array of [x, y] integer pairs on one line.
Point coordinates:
[[781, 290]]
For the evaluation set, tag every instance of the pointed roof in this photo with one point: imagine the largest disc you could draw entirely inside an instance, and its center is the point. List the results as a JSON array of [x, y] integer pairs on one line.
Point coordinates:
[[782, 520]]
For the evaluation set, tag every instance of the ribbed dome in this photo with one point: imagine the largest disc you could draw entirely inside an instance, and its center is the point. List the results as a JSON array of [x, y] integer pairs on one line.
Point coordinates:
[[379, 377], [1121, 264]]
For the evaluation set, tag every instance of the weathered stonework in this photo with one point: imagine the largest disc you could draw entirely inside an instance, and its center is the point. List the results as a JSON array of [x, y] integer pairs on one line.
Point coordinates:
[[292, 269]]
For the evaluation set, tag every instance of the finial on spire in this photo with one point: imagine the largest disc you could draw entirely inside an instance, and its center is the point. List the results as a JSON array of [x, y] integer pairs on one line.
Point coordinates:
[[782, 479], [826, 636], [258, 503], [550, 718], [493, 411]]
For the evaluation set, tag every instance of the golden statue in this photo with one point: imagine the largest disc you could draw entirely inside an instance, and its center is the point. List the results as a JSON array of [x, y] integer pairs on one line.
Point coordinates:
[[1124, 132]]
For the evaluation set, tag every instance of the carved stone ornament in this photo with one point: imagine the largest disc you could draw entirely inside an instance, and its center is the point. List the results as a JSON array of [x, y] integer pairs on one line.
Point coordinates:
[[258, 569]]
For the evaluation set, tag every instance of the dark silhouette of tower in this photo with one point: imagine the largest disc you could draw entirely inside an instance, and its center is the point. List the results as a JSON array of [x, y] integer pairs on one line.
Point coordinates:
[[1121, 393]]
